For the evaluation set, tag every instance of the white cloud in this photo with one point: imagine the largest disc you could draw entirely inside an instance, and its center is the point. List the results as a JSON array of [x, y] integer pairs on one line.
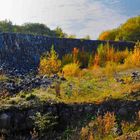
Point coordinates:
[[80, 17]]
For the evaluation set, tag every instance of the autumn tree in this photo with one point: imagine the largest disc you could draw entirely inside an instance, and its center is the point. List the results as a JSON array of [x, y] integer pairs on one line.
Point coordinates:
[[31, 28], [6, 26], [129, 31], [108, 35], [49, 63]]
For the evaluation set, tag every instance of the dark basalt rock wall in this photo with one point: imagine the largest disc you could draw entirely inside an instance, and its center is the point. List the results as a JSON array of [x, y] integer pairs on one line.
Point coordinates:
[[17, 120], [22, 51]]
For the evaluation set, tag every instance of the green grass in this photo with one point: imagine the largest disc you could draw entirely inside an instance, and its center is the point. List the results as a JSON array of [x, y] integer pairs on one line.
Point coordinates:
[[90, 89]]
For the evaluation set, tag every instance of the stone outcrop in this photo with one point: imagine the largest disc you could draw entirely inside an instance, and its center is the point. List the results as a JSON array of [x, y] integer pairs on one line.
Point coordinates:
[[21, 52], [26, 83], [17, 120]]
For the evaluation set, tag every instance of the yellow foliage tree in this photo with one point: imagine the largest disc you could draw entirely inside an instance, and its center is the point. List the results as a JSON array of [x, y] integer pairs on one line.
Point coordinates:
[[49, 64]]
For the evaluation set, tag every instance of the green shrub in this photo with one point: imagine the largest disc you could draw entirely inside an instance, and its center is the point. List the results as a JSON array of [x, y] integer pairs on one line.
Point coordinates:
[[44, 122]]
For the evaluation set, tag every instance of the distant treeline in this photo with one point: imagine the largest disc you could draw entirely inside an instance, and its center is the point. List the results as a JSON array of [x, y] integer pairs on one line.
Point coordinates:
[[35, 29], [129, 31], [31, 28]]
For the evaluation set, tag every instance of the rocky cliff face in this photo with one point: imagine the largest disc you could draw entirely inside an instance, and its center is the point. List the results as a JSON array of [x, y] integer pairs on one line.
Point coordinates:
[[16, 121], [22, 52]]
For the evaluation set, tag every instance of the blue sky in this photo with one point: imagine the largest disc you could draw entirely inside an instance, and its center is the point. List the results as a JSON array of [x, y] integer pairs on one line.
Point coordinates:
[[79, 17]]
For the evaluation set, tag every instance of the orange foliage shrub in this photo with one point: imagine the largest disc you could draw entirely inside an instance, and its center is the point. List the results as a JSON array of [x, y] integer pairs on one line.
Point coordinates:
[[83, 58], [96, 60], [107, 54], [110, 54], [104, 54], [75, 55], [120, 56], [109, 122], [84, 133], [91, 137], [100, 127]]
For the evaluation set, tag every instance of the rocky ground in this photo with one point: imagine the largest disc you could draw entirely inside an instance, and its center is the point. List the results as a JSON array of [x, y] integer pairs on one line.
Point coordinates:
[[16, 119], [14, 84]]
